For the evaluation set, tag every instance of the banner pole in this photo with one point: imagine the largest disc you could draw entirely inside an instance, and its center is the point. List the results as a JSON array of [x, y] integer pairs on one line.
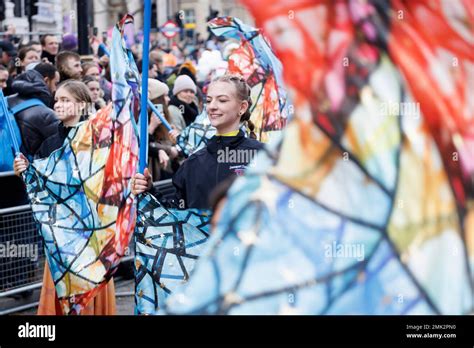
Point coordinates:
[[144, 93]]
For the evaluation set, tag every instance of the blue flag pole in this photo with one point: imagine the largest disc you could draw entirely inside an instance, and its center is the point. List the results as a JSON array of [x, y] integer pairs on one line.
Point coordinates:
[[160, 116], [104, 49], [16, 146], [144, 95]]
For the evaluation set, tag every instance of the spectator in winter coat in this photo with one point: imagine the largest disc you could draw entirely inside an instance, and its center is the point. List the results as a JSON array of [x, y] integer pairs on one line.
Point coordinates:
[[37, 122], [50, 45], [182, 104]]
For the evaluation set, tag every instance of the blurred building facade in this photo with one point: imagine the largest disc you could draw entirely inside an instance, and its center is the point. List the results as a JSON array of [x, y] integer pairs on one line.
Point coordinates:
[[33, 15], [192, 13], [60, 16]]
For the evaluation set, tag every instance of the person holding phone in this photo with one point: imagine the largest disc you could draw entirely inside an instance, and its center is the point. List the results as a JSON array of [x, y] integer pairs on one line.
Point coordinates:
[[163, 154]]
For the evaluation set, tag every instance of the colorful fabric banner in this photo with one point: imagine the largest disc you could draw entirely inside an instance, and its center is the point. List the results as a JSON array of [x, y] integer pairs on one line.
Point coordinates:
[[80, 194], [255, 61], [366, 205], [168, 243]]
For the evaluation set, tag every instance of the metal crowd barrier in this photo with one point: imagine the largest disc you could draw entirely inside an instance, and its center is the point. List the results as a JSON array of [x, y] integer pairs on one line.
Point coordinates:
[[21, 273], [21, 251]]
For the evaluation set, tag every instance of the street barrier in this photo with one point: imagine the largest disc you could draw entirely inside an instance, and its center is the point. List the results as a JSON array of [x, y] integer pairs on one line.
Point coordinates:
[[22, 256]]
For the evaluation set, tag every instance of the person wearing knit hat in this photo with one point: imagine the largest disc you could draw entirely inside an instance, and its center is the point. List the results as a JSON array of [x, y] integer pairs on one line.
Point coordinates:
[[183, 100], [162, 152], [69, 42], [187, 68], [156, 89], [183, 83], [158, 94]]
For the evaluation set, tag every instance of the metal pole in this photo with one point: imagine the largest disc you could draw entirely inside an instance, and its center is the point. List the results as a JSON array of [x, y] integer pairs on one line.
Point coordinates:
[[20, 290], [32, 33], [125, 293], [83, 27], [144, 96], [20, 308], [160, 116], [16, 209]]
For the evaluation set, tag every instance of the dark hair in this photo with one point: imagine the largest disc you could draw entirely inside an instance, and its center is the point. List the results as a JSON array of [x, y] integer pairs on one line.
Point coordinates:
[[3, 67], [161, 133], [243, 93], [183, 70], [46, 70], [86, 79], [43, 38], [28, 44], [63, 56], [23, 51]]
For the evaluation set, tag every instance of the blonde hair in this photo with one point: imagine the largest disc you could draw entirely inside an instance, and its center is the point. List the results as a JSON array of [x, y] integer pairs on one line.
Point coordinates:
[[243, 91]]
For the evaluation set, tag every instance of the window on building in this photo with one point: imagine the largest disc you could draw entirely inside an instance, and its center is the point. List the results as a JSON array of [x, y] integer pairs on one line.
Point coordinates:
[[189, 16]]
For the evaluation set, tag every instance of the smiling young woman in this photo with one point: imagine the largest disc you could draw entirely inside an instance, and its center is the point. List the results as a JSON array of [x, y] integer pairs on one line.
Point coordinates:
[[72, 102], [228, 106]]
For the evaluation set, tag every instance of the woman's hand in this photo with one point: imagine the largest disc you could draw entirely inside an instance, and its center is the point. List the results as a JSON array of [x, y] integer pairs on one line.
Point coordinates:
[[164, 159], [104, 61], [154, 124], [174, 135], [174, 153], [20, 164], [141, 182]]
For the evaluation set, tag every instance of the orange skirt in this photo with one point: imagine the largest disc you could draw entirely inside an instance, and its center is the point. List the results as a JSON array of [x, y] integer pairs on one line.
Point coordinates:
[[102, 304]]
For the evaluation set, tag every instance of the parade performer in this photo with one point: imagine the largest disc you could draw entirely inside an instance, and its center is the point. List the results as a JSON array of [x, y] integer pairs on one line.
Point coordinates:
[[255, 61], [80, 194], [228, 103]]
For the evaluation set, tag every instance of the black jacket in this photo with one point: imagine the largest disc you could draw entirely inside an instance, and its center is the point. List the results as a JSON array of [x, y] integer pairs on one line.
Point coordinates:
[[38, 122], [189, 111], [51, 58], [205, 169], [53, 142]]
